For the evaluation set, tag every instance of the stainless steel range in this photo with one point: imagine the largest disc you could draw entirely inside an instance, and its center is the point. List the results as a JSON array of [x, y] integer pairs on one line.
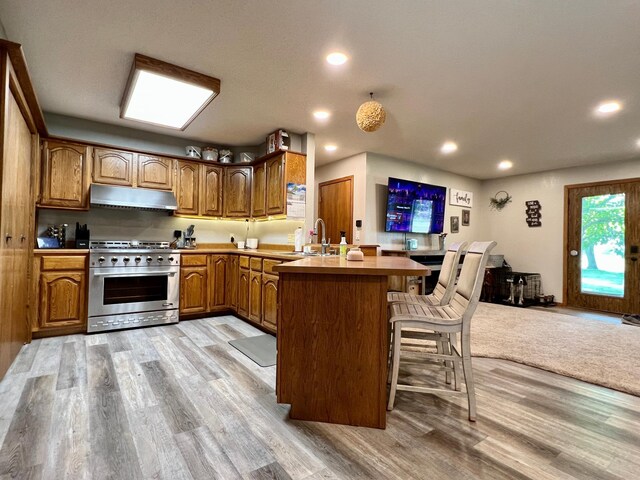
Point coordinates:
[[132, 284]]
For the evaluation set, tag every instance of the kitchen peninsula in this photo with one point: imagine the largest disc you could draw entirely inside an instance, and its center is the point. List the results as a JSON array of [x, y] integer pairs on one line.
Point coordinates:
[[333, 337]]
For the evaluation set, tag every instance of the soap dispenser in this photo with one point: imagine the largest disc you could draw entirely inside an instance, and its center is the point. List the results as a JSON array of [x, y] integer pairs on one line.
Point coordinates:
[[343, 244]]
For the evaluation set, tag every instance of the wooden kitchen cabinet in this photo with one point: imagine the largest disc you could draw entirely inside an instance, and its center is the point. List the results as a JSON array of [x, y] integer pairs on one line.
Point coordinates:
[[193, 289], [21, 124], [270, 301], [199, 189], [188, 188], [154, 172], [62, 299], [65, 176], [243, 291], [114, 167], [218, 271], [59, 294], [258, 191], [237, 192], [255, 296], [212, 178], [232, 282], [282, 170]]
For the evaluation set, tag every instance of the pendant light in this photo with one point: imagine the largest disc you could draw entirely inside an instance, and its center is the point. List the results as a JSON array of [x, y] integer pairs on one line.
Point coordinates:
[[371, 115]]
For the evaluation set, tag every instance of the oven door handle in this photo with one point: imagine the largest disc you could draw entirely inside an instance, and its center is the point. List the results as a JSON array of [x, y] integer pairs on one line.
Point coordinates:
[[146, 274]]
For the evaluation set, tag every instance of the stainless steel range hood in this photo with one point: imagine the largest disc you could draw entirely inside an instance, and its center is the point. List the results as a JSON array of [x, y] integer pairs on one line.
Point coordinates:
[[132, 198]]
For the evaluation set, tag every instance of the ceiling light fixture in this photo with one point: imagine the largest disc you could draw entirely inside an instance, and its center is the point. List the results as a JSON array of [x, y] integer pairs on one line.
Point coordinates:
[[337, 58], [164, 94], [505, 165], [371, 115], [607, 108], [330, 148], [321, 114], [449, 147], [638, 143]]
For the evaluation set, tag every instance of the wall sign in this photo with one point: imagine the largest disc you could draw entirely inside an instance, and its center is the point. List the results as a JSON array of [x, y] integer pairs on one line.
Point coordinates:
[[460, 198], [534, 216]]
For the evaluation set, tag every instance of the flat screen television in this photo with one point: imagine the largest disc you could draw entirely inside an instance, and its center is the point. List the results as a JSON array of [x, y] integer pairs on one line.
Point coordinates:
[[414, 207]]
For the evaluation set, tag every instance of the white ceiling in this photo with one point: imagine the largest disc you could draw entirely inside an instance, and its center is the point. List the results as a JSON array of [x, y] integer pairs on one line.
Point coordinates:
[[504, 79]]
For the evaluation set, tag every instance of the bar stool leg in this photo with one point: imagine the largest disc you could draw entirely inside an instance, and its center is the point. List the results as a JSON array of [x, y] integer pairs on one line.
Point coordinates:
[[395, 363]]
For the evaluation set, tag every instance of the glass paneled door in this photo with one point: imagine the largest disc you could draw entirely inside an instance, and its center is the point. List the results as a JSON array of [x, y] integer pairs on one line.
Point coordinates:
[[603, 242]]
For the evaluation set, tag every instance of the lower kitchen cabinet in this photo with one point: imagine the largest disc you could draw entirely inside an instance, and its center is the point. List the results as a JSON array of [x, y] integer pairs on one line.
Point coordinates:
[[245, 284], [59, 294], [193, 289], [269, 301], [62, 302], [243, 291], [232, 282], [218, 271], [255, 296]]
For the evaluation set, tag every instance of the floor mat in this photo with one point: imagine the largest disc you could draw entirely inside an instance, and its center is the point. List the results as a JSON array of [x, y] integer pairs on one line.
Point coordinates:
[[260, 349]]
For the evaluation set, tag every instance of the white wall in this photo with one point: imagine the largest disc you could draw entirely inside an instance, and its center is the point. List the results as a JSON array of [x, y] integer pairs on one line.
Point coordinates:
[[355, 165], [380, 168], [540, 249], [3, 33]]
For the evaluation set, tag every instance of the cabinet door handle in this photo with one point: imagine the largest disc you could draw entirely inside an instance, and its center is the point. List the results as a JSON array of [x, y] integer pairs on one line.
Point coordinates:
[[22, 238], [7, 237]]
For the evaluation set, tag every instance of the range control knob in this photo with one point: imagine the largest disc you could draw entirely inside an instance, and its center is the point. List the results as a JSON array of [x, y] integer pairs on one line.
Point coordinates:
[[160, 259], [101, 259], [149, 259], [114, 259], [170, 259], [126, 259], [138, 259]]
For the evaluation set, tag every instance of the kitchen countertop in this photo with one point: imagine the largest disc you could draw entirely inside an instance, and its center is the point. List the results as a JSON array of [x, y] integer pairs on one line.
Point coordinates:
[[279, 254], [60, 251], [341, 266]]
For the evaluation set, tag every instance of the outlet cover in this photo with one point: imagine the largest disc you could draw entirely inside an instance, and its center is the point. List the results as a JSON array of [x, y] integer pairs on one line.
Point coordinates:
[[291, 238]]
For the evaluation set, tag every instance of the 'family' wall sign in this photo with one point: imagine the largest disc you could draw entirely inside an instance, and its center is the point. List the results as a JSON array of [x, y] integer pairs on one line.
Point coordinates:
[[460, 198]]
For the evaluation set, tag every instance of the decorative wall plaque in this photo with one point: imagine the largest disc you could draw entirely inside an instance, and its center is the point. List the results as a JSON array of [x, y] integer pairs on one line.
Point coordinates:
[[534, 216]]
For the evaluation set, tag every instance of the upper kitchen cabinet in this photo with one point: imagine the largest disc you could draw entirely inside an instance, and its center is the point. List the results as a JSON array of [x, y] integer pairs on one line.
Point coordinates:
[[281, 171], [211, 191], [237, 192], [155, 172], [188, 188], [258, 194], [199, 189], [65, 175], [114, 167]]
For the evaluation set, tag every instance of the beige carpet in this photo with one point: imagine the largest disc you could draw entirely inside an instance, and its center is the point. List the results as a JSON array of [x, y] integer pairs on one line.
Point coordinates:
[[593, 351]]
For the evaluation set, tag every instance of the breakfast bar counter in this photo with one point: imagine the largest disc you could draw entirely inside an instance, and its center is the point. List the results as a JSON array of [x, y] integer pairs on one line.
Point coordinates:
[[333, 337]]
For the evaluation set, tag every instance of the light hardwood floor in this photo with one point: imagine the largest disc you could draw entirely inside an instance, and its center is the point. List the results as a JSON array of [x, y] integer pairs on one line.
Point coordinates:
[[178, 402]]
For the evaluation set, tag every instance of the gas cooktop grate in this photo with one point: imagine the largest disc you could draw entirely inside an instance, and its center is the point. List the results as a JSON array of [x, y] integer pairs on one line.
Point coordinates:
[[128, 244]]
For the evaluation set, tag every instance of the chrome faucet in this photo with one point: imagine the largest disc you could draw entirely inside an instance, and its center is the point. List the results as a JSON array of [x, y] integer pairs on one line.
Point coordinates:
[[323, 243]]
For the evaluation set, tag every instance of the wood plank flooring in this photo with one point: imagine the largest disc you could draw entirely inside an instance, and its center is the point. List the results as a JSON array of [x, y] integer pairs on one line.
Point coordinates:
[[178, 402]]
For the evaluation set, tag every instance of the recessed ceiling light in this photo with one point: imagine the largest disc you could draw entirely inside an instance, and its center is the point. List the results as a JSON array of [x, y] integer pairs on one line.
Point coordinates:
[[449, 147], [336, 58], [164, 94], [330, 148], [638, 143], [604, 109], [321, 114], [505, 165]]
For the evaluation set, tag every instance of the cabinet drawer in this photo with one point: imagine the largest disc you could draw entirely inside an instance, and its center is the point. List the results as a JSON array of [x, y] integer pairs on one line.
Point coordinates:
[[50, 263], [256, 264], [269, 264], [244, 261], [194, 260]]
